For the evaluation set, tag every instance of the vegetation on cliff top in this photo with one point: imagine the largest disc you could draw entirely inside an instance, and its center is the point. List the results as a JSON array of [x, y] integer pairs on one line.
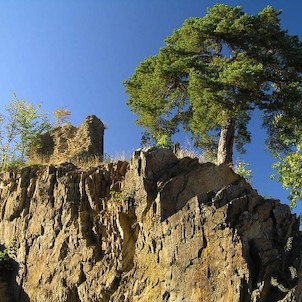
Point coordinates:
[[212, 73], [21, 128]]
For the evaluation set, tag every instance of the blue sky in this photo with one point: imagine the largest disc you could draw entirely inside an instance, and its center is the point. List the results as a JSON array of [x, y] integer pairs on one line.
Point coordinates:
[[76, 54]]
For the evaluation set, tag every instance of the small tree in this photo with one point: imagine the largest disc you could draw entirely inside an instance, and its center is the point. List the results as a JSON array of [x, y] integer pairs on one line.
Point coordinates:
[[62, 116], [212, 73], [289, 171], [286, 143], [241, 168], [9, 133], [23, 127], [285, 137]]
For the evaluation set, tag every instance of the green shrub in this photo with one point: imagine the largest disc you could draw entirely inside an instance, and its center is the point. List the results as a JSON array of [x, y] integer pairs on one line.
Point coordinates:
[[6, 261]]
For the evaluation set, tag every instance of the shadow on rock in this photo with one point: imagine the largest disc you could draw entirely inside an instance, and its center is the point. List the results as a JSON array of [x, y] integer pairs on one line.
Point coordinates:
[[10, 290]]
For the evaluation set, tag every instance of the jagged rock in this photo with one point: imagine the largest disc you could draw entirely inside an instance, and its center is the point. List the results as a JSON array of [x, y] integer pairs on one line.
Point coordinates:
[[162, 229]]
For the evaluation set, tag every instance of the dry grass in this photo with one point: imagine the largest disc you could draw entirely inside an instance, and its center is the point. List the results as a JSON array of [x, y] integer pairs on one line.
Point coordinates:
[[96, 161], [84, 163], [188, 150], [88, 163], [120, 156]]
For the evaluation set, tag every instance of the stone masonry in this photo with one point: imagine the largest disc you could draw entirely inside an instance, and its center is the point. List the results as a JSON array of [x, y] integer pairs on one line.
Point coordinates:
[[68, 143]]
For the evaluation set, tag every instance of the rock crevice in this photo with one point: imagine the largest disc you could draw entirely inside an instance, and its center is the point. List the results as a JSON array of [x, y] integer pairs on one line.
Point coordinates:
[[162, 229]]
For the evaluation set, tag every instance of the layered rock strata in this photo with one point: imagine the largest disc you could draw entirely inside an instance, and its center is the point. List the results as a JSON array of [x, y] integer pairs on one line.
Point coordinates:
[[162, 229]]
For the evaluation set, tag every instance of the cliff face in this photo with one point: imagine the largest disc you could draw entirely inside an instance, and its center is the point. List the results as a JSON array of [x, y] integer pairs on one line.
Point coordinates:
[[165, 230]]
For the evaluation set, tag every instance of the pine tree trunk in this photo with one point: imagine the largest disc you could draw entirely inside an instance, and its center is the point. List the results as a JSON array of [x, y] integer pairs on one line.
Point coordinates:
[[226, 142]]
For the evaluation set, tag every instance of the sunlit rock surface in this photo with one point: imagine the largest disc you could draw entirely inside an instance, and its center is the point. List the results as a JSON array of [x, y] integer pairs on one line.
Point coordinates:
[[158, 229]]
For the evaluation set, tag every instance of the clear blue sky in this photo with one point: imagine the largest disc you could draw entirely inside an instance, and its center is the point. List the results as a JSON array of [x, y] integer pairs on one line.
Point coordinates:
[[76, 54]]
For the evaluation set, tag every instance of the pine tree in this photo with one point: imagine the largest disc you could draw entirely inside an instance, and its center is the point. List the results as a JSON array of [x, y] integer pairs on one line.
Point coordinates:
[[212, 73]]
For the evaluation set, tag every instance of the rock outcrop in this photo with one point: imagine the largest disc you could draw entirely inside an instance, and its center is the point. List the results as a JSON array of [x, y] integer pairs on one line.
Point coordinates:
[[162, 229], [68, 143]]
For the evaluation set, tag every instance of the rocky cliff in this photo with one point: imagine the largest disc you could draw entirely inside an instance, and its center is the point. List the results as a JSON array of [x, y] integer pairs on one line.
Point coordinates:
[[158, 229]]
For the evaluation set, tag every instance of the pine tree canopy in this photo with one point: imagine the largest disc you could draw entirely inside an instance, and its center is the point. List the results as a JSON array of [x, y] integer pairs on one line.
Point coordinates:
[[213, 72]]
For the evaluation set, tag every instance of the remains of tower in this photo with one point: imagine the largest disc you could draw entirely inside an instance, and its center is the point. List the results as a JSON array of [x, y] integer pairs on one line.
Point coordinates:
[[69, 143]]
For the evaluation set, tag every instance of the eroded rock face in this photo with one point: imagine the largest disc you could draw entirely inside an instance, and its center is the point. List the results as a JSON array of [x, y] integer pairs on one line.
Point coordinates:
[[165, 230]]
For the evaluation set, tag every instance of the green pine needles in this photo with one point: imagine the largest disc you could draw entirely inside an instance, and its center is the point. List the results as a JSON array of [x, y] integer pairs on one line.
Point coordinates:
[[210, 76], [212, 73]]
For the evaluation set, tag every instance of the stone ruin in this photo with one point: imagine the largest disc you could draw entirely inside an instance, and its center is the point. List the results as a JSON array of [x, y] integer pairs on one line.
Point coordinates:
[[68, 143]]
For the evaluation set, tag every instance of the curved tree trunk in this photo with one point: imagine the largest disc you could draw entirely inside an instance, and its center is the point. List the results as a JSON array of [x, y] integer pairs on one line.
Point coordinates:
[[226, 142]]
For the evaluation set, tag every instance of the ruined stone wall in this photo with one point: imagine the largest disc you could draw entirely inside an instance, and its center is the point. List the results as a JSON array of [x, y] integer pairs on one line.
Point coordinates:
[[68, 143]]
